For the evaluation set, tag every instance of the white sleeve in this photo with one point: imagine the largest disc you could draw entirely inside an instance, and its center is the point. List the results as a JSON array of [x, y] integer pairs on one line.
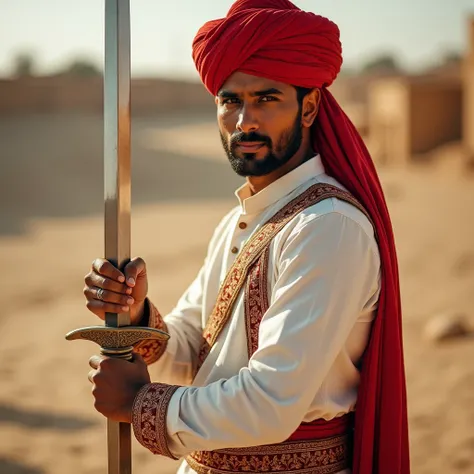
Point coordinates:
[[328, 269], [184, 324]]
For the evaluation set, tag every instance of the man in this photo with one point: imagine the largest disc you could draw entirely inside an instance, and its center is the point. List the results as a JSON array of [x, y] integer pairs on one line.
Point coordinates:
[[293, 323]]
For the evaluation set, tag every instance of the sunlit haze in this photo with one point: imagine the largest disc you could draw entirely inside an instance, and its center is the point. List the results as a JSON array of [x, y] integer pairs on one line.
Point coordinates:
[[57, 30]]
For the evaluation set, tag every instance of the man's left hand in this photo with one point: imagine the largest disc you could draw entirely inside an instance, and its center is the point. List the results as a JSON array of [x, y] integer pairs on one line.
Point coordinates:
[[116, 383]]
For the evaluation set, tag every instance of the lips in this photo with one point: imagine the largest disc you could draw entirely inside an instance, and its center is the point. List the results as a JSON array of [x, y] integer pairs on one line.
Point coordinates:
[[250, 147]]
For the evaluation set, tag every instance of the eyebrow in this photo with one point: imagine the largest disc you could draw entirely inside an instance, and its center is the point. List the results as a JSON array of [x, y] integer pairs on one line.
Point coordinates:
[[224, 94]]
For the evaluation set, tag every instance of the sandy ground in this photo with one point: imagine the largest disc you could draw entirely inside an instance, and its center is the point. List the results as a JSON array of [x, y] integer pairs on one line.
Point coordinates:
[[51, 229]]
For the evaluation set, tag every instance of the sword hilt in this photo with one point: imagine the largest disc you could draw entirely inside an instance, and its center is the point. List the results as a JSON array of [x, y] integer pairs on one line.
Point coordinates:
[[117, 342]]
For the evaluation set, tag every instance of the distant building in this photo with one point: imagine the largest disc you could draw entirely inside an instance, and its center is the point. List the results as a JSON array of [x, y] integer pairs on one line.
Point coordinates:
[[400, 117], [409, 116], [468, 85]]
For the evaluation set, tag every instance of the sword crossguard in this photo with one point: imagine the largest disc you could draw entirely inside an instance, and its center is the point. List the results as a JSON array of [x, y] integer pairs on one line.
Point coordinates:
[[117, 342]]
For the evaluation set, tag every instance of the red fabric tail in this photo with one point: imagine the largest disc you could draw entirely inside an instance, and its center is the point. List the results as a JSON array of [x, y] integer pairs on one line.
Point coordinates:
[[381, 431]]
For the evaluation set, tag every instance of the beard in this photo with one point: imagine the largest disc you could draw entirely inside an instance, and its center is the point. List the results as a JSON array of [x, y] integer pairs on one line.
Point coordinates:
[[278, 155]]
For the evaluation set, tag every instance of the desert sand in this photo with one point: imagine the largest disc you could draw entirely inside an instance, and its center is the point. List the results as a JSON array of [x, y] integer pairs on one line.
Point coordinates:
[[51, 229]]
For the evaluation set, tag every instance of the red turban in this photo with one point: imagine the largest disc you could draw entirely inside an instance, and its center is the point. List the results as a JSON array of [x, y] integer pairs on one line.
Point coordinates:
[[276, 40]]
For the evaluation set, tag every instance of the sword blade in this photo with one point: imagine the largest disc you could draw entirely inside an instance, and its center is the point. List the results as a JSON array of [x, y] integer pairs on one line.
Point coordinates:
[[117, 186]]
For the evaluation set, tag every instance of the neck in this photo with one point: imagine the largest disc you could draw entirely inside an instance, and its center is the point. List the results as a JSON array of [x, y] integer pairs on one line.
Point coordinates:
[[257, 183]]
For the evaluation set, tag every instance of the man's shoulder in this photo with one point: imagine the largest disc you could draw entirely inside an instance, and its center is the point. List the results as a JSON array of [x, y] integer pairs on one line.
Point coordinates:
[[337, 206], [330, 221], [331, 208]]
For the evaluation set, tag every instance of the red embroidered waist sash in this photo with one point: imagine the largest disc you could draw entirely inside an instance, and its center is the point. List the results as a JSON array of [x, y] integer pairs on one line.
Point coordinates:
[[319, 429], [318, 447]]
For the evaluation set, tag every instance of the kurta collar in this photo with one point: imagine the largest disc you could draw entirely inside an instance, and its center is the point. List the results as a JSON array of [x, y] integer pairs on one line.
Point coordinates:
[[252, 204]]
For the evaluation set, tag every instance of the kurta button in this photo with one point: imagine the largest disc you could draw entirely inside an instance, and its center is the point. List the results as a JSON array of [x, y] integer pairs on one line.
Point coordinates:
[[235, 250], [243, 225]]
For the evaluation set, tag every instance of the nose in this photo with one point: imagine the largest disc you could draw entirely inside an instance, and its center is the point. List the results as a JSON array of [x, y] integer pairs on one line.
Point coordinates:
[[247, 121]]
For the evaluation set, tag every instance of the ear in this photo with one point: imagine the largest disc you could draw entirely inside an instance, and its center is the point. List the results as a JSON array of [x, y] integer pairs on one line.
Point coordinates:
[[310, 107]]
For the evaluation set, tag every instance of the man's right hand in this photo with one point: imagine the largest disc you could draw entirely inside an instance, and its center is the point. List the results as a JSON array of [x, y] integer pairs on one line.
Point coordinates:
[[108, 290]]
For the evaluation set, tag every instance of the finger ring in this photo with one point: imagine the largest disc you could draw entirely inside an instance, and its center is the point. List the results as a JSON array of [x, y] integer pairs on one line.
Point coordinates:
[[100, 294]]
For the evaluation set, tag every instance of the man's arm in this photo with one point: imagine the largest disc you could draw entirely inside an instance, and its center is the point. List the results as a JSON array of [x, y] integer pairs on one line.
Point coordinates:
[[175, 360], [328, 271]]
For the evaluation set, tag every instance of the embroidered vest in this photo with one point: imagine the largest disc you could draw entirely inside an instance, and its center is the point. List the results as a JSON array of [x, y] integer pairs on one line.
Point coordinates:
[[317, 447]]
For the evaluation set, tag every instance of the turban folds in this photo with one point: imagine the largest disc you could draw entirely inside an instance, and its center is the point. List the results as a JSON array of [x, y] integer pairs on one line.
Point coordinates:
[[272, 39], [276, 40]]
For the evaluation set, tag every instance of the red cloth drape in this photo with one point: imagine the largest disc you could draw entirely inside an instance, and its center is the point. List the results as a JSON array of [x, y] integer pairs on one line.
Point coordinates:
[[277, 40]]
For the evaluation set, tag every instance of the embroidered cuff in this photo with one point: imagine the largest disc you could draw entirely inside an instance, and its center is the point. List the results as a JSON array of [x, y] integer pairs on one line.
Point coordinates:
[[149, 417], [151, 349]]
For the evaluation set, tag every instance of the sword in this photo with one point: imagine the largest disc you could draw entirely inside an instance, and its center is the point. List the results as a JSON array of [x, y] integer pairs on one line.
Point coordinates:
[[117, 337]]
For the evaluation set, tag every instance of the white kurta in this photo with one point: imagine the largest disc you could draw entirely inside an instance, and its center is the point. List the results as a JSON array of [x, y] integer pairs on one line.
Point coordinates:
[[324, 283]]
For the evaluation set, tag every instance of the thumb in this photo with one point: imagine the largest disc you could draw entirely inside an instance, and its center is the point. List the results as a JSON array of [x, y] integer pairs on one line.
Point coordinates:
[[136, 267], [142, 366], [138, 359]]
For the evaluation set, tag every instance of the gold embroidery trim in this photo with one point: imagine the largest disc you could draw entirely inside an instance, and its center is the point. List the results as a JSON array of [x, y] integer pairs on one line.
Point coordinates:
[[324, 456], [149, 417], [256, 300], [150, 349], [237, 275]]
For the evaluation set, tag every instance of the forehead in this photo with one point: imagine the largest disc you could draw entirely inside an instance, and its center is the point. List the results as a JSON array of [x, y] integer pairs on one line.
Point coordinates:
[[241, 82]]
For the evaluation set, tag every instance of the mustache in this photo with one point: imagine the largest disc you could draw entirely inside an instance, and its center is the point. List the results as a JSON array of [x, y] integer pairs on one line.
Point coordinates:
[[249, 137]]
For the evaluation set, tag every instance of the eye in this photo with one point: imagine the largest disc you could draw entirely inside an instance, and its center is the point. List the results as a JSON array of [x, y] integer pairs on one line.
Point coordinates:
[[230, 100], [268, 98]]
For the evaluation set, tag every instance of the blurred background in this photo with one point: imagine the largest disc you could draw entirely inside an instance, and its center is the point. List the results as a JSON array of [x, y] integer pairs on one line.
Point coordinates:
[[408, 85]]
